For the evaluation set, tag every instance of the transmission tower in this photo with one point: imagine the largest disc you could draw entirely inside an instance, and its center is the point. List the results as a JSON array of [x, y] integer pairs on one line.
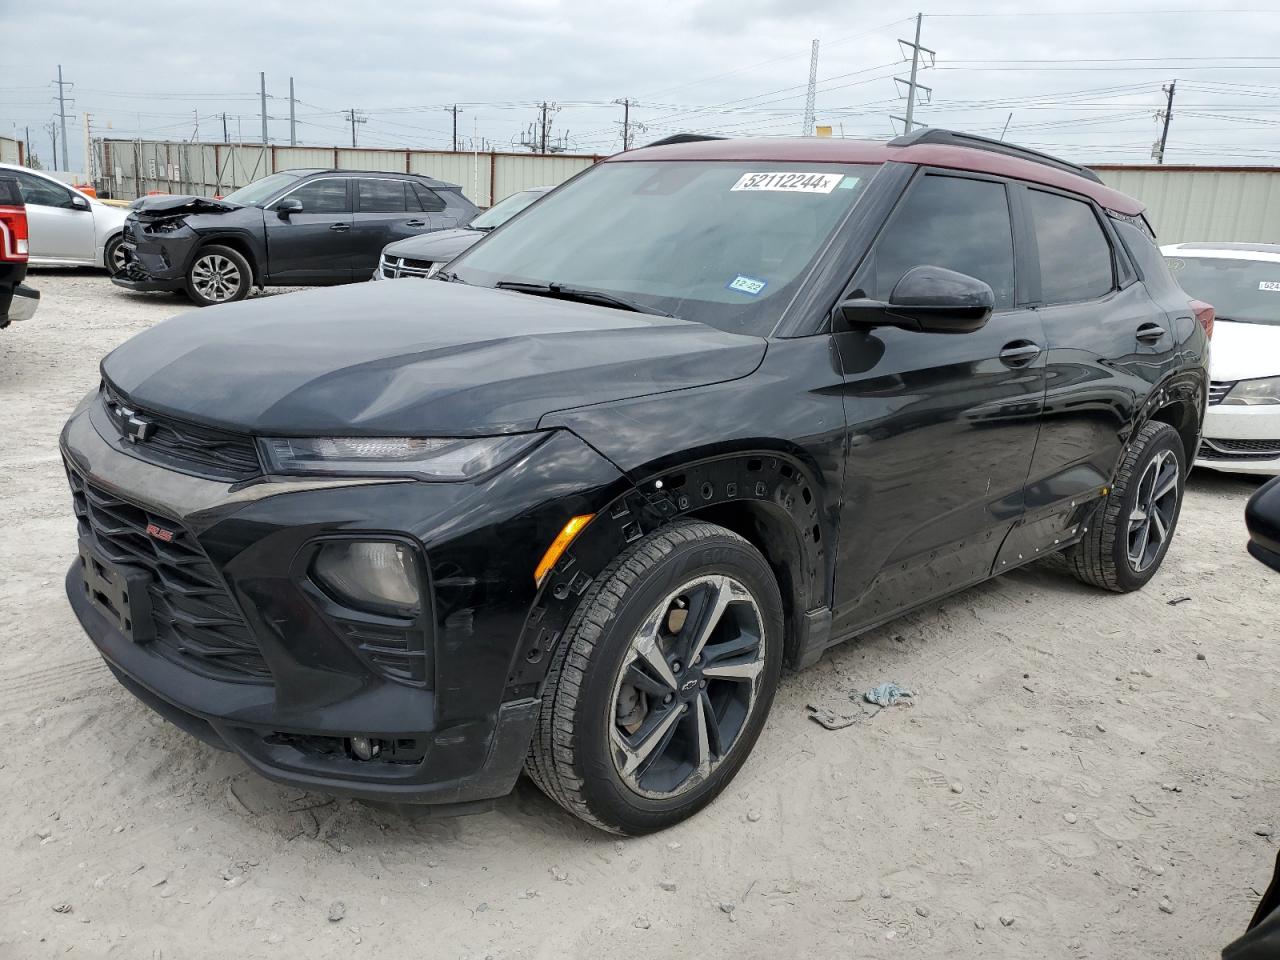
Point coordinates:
[[913, 88], [813, 90]]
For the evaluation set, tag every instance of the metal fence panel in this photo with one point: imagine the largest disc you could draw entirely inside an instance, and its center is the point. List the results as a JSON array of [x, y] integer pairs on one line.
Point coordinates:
[[10, 151], [1204, 203]]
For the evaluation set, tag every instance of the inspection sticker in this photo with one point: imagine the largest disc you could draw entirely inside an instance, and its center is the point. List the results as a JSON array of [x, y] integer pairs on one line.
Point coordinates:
[[1272, 285], [789, 182], [748, 285]]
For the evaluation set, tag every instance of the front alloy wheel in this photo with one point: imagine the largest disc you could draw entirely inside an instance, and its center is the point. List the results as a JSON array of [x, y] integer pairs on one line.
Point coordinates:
[[662, 681], [218, 275]]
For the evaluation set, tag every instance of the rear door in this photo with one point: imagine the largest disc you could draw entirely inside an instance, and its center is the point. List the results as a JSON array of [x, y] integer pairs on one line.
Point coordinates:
[[391, 210], [942, 427], [59, 229], [316, 245], [1107, 344]]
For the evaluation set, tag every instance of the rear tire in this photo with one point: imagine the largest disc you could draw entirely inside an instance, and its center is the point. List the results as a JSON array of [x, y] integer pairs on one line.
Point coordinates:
[[632, 738], [218, 274], [1128, 538]]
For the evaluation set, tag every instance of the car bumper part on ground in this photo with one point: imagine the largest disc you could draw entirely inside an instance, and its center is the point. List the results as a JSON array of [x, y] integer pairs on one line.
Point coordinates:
[[1241, 439], [460, 736], [23, 305]]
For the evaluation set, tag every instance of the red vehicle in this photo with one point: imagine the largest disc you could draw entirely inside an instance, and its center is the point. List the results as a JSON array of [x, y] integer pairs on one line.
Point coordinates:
[[17, 302]]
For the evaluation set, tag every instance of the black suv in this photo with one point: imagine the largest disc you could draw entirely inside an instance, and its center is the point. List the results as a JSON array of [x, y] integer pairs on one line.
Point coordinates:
[[296, 227], [571, 506]]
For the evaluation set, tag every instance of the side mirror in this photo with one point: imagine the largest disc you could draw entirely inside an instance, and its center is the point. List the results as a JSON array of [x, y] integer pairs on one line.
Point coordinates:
[[929, 300], [78, 202], [287, 207], [1262, 517]]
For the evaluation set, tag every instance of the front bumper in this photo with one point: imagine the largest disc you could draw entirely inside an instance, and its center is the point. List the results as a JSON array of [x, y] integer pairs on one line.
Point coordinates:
[[1241, 439], [465, 732], [154, 266]]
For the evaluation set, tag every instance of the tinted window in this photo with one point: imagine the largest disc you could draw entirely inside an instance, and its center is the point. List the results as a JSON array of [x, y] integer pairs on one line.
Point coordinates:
[[950, 222], [323, 196], [1247, 291], [382, 196], [1146, 256], [39, 191], [1075, 258], [427, 200]]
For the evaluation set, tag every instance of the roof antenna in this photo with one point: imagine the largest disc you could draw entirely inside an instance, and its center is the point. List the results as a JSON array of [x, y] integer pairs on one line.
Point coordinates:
[[1006, 126]]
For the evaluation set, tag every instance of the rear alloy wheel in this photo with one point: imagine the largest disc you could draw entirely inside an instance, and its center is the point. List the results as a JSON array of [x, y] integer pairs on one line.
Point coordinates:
[[1128, 538], [218, 275], [663, 680]]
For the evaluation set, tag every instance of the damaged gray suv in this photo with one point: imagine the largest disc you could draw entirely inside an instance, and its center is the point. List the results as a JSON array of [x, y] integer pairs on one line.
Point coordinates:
[[293, 228]]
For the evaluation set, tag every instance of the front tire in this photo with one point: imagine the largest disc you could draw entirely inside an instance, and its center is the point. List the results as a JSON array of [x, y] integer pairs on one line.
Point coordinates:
[[663, 681], [218, 274], [113, 257], [1128, 539]]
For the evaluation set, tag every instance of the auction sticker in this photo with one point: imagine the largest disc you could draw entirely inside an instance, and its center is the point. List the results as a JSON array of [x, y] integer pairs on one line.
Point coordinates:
[[748, 285], [1270, 285], [789, 182]]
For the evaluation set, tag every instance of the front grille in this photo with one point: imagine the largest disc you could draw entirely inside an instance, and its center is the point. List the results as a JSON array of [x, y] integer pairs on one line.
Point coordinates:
[[1220, 449], [1219, 389], [181, 445], [393, 267], [197, 624]]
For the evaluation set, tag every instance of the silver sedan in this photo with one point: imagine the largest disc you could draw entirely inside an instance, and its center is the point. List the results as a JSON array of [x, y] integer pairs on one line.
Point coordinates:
[[67, 228]]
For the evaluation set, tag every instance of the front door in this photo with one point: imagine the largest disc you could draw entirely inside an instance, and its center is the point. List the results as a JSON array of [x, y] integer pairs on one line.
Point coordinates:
[[941, 427], [58, 229], [314, 246]]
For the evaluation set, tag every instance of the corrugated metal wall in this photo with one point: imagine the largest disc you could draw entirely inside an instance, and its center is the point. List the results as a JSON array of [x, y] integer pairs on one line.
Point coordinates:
[[132, 168], [1204, 203], [10, 151]]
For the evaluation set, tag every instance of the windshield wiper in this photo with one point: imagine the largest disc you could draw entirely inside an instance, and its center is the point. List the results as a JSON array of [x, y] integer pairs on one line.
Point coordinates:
[[447, 277], [580, 294]]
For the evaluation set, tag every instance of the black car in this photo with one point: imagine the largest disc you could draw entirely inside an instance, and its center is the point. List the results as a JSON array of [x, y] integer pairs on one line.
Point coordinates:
[[296, 227], [422, 256], [569, 507], [17, 300]]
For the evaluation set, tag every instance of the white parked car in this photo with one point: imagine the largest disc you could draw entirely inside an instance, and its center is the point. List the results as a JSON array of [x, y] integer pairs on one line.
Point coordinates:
[[68, 228], [1242, 281]]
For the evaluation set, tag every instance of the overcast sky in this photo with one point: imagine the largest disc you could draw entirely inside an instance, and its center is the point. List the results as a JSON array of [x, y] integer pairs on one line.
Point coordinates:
[[1084, 85]]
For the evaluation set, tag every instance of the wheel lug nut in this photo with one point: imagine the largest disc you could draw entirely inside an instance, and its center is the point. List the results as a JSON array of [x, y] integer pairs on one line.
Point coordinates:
[[702, 683], [697, 659], [668, 698], [684, 708], [676, 667]]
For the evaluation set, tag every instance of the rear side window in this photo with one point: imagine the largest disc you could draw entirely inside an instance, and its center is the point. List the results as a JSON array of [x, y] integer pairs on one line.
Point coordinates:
[[428, 201], [1151, 264], [383, 196], [949, 222], [1075, 257], [323, 196]]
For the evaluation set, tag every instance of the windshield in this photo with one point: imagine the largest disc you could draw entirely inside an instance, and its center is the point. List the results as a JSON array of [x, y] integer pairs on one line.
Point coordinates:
[[1247, 291], [504, 210], [723, 243], [260, 190]]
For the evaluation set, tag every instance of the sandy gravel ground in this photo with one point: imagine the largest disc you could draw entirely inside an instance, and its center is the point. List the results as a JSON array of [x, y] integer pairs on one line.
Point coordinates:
[[1069, 762]]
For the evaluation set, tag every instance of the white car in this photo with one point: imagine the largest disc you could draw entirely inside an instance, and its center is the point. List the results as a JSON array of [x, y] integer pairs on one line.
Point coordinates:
[[66, 227], [1242, 281]]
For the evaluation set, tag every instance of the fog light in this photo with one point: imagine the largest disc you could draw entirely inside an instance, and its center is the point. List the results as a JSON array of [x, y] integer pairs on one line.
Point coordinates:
[[364, 748], [378, 575]]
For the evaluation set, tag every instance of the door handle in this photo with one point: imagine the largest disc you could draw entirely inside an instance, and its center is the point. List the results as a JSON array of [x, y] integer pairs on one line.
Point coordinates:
[[415, 223], [1019, 353], [340, 227], [1150, 332]]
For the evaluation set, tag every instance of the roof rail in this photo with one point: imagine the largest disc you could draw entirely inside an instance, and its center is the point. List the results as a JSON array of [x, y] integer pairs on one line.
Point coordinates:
[[683, 138], [954, 138]]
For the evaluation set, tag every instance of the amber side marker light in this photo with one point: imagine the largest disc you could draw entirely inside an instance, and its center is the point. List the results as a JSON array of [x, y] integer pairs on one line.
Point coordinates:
[[559, 545]]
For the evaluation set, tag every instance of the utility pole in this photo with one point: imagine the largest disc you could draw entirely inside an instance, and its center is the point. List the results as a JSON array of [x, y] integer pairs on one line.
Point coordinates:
[[1167, 116], [62, 112], [908, 122], [52, 129], [352, 116], [88, 150], [293, 120], [455, 111], [27, 140], [626, 103], [812, 95], [542, 140], [225, 137], [262, 81]]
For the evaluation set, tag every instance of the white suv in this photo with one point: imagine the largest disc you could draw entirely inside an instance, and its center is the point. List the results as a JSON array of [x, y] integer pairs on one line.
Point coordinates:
[[1242, 281]]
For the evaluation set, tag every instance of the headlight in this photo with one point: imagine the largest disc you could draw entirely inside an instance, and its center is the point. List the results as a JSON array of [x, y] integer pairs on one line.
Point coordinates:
[[1254, 392], [427, 458], [377, 575]]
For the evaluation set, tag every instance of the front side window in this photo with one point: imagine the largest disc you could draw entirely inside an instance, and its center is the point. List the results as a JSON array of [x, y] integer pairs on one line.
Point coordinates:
[[950, 222], [39, 191], [1075, 257], [382, 196], [726, 243], [1246, 291], [323, 196]]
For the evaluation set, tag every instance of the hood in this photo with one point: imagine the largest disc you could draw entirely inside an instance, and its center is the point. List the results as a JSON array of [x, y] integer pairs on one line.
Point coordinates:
[[158, 208], [413, 359], [437, 246], [1244, 351]]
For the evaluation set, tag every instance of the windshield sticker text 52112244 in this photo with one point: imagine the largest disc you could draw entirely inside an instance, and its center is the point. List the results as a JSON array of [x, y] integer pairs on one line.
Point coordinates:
[[789, 182]]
